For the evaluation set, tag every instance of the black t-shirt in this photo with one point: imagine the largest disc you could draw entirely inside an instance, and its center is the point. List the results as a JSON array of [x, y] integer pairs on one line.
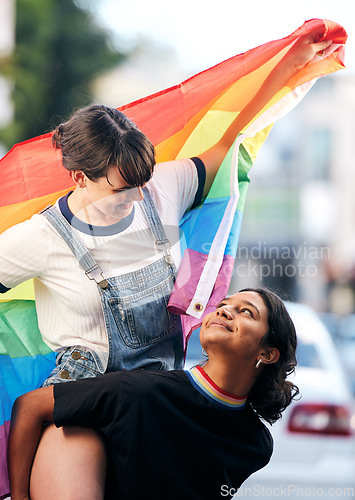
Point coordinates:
[[165, 439]]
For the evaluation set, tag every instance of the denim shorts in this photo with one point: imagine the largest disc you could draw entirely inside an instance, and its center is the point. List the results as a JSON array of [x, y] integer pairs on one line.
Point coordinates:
[[75, 363]]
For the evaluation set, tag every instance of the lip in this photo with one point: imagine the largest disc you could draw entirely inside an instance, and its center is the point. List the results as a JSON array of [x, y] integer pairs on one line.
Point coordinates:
[[221, 323], [125, 205]]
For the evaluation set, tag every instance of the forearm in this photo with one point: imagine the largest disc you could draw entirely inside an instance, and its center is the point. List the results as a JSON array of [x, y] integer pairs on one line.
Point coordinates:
[[213, 157], [297, 57], [29, 413], [22, 447]]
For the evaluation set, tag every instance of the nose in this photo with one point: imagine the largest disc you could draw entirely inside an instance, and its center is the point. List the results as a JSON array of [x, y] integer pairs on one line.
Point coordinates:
[[225, 311]]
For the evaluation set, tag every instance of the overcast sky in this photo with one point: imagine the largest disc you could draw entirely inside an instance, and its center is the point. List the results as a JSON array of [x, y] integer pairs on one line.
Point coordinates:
[[205, 32]]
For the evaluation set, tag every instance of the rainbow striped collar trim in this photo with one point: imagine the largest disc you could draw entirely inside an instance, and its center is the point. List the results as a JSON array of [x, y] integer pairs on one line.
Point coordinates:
[[205, 386]]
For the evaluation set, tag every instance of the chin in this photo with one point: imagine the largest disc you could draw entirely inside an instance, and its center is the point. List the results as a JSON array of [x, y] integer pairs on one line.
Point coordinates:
[[120, 213]]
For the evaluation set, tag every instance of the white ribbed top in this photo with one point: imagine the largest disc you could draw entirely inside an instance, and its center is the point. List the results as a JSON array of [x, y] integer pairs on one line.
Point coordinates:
[[68, 303]]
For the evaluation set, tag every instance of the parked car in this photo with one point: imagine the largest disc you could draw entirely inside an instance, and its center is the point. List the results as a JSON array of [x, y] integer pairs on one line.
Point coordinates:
[[314, 442], [342, 329], [345, 343]]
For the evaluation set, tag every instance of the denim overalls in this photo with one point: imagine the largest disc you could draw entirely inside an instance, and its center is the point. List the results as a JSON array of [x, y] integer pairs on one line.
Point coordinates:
[[141, 332]]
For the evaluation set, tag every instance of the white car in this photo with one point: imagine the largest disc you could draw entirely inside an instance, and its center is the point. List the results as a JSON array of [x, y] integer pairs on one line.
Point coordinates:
[[345, 343], [314, 442], [342, 329]]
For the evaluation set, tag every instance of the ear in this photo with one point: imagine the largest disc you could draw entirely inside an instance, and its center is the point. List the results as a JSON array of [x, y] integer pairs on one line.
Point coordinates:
[[270, 356], [79, 178]]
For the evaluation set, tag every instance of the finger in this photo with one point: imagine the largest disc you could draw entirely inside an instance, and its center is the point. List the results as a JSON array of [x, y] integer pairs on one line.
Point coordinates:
[[316, 34], [322, 46]]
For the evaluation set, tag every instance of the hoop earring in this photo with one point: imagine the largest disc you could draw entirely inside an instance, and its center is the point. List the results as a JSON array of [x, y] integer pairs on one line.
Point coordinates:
[[204, 353], [258, 363]]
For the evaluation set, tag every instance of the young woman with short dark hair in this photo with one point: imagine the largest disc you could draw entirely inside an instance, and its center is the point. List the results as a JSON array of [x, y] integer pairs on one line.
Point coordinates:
[[105, 257]]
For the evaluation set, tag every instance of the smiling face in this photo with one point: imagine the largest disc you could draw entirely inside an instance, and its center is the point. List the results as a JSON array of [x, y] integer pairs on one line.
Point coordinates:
[[235, 331], [108, 198], [112, 195]]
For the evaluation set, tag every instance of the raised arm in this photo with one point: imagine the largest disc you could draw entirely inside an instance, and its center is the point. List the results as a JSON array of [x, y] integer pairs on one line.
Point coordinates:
[[300, 54], [29, 413]]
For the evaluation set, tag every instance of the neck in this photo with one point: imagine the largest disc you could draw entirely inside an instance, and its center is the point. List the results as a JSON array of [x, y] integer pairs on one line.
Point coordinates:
[[77, 201], [238, 381]]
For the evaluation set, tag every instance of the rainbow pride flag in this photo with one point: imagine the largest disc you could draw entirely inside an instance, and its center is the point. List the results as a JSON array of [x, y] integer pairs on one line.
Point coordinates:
[[181, 121]]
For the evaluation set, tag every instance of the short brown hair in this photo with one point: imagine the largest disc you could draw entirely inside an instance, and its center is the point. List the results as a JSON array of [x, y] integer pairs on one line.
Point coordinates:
[[98, 136]]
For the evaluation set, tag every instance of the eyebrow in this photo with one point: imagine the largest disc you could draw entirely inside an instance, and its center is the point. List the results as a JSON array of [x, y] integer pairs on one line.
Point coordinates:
[[246, 302], [252, 305]]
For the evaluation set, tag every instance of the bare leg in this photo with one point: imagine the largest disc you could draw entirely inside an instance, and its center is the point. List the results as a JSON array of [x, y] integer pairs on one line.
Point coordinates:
[[70, 464]]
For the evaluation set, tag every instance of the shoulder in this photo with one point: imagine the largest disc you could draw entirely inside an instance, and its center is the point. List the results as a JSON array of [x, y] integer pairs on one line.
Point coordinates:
[[144, 387], [179, 183], [177, 168], [129, 380], [35, 228], [109, 392], [174, 164], [149, 381]]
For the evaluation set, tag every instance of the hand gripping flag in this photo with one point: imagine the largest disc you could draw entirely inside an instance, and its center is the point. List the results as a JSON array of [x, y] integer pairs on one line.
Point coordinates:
[[181, 121]]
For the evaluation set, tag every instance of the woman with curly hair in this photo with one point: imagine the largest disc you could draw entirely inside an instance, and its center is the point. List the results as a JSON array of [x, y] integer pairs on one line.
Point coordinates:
[[179, 434]]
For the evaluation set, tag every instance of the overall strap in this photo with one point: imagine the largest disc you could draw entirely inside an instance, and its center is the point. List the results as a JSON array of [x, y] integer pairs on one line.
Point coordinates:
[[156, 226], [79, 250]]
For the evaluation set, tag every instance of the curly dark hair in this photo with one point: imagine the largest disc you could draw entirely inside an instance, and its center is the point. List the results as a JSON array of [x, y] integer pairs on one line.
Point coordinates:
[[272, 393]]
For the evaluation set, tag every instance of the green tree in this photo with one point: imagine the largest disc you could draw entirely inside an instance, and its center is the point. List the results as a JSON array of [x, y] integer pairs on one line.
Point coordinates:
[[59, 51]]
